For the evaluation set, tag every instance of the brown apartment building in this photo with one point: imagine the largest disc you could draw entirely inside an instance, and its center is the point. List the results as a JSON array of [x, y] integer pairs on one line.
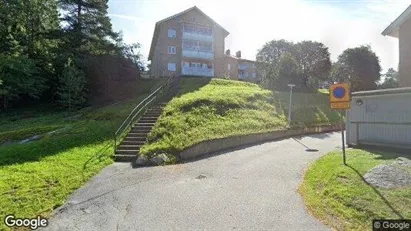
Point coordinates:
[[192, 44], [401, 29]]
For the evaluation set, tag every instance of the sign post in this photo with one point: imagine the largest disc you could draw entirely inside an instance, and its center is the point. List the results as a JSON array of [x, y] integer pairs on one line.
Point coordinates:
[[340, 98]]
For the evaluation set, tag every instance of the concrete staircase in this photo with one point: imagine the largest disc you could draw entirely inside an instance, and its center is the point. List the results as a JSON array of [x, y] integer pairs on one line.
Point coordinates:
[[129, 148]]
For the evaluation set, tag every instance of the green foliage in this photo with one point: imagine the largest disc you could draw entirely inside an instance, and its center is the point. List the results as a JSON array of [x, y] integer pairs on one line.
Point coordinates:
[[312, 61], [87, 27], [210, 109], [390, 80], [35, 44], [19, 77], [72, 87], [358, 66], [338, 195]]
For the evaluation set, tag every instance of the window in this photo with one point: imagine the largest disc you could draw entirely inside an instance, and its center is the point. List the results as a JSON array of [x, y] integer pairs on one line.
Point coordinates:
[[172, 66], [186, 64], [172, 33], [254, 75], [228, 67], [171, 50]]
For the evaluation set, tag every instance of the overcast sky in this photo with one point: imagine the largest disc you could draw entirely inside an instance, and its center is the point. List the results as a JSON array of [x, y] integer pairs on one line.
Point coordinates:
[[337, 24]]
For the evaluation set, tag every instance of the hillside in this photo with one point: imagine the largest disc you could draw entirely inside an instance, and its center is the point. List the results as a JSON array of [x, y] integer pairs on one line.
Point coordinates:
[[209, 109]]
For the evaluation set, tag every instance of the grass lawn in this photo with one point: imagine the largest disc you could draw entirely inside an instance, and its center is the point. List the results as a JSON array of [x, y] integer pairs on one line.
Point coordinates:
[[339, 196], [214, 108], [37, 177]]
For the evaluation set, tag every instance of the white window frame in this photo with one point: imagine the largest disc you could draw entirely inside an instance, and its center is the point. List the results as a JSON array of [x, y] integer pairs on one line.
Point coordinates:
[[229, 67], [172, 50], [172, 33], [170, 67]]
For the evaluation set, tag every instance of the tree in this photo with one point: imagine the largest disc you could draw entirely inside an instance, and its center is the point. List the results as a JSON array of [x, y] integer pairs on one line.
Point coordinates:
[[72, 87], [19, 77], [314, 62], [132, 53], [288, 72], [390, 80], [359, 66], [87, 27], [268, 60]]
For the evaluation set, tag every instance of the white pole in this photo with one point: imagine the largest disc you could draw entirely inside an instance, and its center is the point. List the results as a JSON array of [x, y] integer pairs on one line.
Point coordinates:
[[289, 107]]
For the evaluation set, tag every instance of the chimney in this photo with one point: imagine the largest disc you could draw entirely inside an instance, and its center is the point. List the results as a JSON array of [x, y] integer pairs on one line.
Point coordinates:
[[227, 52], [238, 54]]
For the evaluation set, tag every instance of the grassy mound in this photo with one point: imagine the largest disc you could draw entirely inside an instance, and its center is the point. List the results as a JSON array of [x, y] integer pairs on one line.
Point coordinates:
[[210, 109], [340, 197]]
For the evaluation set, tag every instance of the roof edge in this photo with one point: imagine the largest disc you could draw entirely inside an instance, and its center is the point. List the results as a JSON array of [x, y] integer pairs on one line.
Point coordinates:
[[392, 29], [154, 39]]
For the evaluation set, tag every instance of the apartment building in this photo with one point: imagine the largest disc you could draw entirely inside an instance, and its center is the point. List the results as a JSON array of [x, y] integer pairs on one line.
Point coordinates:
[[190, 43], [401, 28]]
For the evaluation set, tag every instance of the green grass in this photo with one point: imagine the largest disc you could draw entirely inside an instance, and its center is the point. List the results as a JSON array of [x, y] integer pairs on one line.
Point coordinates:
[[37, 177], [210, 109], [338, 195]]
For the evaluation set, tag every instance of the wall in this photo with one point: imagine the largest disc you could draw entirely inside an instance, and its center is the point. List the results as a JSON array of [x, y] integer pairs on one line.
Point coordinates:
[[381, 119], [405, 54], [160, 54]]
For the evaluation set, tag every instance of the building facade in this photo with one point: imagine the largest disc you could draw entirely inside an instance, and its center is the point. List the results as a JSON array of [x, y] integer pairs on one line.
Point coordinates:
[[401, 29], [192, 44]]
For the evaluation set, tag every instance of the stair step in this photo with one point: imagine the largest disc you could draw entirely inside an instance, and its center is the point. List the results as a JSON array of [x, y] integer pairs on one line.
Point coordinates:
[[141, 138], [126, 152], [144, 124], [142, 127], [135, 148], [148, 118], [132, 142], [133, 134], [125, 158]]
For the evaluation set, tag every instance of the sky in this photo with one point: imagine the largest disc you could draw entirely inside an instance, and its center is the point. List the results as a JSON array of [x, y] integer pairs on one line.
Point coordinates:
[[338, 24]]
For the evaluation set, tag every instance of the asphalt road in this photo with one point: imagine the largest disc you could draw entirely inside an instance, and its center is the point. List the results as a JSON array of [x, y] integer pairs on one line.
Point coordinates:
[[253, 188]]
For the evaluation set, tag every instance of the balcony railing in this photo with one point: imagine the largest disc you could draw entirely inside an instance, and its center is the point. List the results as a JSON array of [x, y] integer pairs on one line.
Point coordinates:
[[243, 76], [198, 71], [198, 54], [242, 66], [197, 36]]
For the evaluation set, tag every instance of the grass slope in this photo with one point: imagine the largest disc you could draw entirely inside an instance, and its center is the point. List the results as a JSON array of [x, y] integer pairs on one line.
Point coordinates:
[[339, 196], [37, 177], [210, 109]]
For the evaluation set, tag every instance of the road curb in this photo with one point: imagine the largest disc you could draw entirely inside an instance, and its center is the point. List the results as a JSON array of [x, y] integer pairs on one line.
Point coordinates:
[[211, 146]]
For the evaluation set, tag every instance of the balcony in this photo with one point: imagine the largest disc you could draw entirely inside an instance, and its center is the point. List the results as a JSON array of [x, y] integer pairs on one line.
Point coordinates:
[[197, 71], [243, 66], [189, 53], [194, 32]]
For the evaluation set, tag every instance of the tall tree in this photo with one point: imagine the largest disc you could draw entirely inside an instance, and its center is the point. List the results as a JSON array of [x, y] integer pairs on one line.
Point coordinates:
[[288, 72], [360, 67], [390, 79], [314, 63], [87, 27], [268, 60]]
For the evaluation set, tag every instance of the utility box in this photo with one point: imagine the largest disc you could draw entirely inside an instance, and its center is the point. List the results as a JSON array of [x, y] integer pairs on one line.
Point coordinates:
[[380, 117]]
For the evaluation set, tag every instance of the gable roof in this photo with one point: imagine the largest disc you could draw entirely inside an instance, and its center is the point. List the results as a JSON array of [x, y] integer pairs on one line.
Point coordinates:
[[156, 29], [392, 29]]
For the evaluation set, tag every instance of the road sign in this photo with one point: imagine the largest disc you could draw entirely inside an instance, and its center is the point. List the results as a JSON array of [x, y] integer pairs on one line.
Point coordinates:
[[340, 98], [340, 92], [340, 105]]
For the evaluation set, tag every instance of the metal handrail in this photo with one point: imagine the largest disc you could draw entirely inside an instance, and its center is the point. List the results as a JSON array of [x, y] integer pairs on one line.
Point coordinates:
[[157, 94]]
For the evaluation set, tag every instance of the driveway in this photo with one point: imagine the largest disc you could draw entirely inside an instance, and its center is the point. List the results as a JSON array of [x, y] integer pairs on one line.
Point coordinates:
[[252, 188]]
